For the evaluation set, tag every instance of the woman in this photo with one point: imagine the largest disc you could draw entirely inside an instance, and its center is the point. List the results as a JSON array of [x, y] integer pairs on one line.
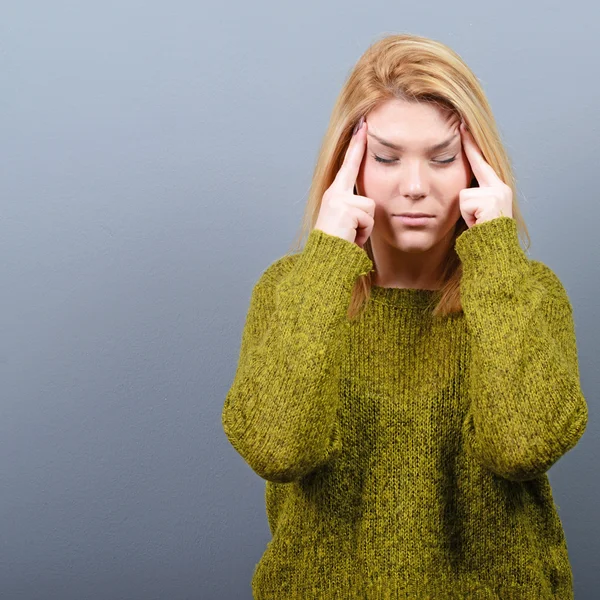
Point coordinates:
[[404, 384]]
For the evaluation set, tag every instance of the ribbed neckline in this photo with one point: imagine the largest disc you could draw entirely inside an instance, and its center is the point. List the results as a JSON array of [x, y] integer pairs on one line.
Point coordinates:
[[402, 297]]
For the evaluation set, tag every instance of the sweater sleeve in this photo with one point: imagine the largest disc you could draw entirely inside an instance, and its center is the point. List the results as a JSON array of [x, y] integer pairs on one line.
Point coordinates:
[[280, 412], [526, 405]]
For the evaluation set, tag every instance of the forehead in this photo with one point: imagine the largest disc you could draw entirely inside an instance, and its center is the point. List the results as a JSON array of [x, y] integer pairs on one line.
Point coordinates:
[[417, 124]]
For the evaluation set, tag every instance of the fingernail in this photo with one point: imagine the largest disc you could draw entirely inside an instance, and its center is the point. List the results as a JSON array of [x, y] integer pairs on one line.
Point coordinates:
[[358, 125]]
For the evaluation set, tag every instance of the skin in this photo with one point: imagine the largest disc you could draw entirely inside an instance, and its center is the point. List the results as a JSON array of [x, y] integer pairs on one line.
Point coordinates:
[[408, 256], [493, 198]]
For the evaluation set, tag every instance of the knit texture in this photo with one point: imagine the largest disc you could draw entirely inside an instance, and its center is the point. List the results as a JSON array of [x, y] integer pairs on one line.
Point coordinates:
[[406, 456]]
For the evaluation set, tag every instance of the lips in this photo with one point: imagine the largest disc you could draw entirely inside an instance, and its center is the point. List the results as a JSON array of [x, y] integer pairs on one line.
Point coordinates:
[[412, 221], [413, 215]]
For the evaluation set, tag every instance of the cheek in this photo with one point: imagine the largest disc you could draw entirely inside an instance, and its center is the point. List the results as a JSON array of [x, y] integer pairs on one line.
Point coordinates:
[[367, 172], [376, 178], [457, 178]]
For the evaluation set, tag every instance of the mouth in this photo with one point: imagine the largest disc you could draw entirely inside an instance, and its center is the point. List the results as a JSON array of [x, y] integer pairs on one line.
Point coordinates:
[[415, 214], [414, 218]]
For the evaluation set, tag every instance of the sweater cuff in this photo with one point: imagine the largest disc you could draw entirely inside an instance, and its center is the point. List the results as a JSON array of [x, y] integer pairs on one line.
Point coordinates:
[[490, 251], [338, 257]]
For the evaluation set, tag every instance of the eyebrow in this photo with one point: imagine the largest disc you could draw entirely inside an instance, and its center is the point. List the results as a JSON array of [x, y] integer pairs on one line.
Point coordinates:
[[433, 148]]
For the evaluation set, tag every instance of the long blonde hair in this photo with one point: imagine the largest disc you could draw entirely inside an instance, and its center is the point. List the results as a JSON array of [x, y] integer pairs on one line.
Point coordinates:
[[413, 68]]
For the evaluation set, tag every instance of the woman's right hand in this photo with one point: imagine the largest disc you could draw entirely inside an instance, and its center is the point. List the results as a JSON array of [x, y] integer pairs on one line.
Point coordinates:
[[344, 213]]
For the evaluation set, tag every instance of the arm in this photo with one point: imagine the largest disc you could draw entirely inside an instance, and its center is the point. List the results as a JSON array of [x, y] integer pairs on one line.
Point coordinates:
[[527, 408], [280, 413]]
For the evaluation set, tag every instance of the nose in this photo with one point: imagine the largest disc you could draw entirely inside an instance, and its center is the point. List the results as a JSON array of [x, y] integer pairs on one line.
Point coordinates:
[[413, 183]]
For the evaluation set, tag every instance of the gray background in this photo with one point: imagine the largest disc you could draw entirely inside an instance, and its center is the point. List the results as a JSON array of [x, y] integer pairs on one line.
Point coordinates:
[[155, 160]]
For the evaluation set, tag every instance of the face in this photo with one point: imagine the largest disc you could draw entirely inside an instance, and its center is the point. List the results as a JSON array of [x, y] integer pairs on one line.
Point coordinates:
[[416, 176]]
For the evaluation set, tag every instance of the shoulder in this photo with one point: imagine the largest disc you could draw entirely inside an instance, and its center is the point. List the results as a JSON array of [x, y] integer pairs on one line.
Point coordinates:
[[549, 281], [276, 270]]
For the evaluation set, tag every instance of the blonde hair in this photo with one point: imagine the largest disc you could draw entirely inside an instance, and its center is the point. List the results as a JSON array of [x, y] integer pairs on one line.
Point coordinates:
[[418, 69]]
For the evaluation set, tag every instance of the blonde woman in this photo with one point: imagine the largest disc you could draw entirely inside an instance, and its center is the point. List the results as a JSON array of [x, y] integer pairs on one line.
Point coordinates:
[[408, 377]]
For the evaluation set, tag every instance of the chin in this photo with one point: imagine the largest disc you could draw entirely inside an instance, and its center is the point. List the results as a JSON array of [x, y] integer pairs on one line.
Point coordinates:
[[414, 249], [413, 242]]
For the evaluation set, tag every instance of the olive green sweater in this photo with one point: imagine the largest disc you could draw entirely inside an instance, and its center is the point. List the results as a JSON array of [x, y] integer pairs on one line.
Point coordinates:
[[406, 456]]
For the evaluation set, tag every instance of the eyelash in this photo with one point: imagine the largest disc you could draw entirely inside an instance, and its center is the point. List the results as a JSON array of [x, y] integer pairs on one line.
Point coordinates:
[[389, 162]]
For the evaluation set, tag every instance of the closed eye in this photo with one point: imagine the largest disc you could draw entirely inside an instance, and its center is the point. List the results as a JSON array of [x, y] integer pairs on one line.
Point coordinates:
[[387, 161]]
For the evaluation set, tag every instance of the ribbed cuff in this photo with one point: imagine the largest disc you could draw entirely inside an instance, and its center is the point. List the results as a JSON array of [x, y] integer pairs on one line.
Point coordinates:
[[492, 249], [339, 257]]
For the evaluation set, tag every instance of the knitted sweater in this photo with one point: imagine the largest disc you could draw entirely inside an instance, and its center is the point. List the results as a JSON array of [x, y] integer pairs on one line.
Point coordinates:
[[406, 456]]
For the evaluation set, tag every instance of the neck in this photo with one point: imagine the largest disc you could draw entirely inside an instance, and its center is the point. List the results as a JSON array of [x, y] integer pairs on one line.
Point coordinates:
[[405, 269]]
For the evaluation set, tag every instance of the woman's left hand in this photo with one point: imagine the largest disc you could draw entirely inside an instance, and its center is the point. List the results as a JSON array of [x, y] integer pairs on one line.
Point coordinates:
[[493, 197]]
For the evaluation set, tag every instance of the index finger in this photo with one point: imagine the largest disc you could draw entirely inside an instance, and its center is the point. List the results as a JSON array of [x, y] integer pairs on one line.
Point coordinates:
[[348, 173], [483, 171]]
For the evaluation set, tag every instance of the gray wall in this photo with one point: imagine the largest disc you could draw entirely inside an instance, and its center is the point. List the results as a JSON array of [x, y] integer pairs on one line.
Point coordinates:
[[155, 160]]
